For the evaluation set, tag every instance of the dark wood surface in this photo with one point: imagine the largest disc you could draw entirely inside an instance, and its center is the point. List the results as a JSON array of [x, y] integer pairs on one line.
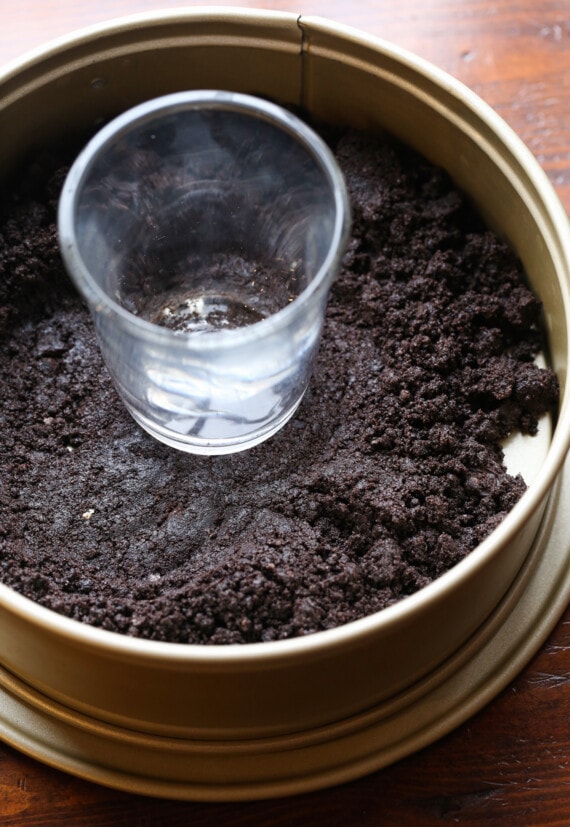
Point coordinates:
[[510, 764]]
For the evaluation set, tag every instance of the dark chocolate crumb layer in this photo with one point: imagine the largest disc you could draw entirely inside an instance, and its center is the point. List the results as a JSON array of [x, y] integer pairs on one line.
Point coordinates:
[[389, 474]]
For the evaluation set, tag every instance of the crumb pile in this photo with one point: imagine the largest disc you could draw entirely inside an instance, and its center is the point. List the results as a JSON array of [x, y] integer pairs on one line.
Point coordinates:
[[389, 474]]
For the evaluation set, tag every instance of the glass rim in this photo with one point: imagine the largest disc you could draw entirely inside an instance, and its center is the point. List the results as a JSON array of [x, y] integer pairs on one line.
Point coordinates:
[[194, 99]]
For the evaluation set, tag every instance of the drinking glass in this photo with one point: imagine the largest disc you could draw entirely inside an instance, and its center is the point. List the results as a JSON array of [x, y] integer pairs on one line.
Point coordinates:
[[204, 230]]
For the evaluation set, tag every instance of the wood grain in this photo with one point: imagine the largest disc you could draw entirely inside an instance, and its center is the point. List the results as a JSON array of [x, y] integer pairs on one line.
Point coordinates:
[[510, 764]]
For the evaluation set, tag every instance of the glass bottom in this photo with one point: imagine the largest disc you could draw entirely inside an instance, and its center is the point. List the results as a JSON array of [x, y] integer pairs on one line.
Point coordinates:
[[193, 444]]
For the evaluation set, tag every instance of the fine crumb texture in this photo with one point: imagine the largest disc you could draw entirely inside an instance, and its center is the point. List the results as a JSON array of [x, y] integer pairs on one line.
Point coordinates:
[[389, 474]]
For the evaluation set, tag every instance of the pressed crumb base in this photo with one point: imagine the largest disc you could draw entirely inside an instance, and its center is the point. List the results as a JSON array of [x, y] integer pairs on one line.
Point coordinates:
[[389, 474], [337, 753]]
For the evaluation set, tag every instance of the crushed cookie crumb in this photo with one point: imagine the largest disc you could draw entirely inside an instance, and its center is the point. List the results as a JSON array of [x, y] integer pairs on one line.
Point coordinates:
[[388, 475]]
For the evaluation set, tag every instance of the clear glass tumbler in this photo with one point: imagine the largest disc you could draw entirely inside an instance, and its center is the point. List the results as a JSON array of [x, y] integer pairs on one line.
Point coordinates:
[[204, 229]]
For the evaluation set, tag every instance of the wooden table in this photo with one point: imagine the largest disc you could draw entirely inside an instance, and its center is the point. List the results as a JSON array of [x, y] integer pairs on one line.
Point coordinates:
[[510, 764]]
